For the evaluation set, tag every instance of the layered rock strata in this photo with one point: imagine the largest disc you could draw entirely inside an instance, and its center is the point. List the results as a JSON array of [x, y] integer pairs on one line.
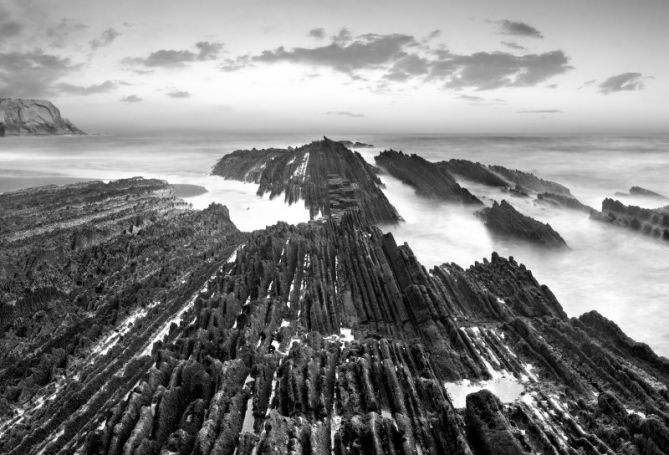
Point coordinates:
[[324, 174], [28, 117], [505, 221], [328, 337], [430, 180], [88, 273], [651, 222]]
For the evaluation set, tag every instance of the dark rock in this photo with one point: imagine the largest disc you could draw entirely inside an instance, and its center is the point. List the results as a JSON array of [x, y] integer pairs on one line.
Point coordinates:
[[430, 180], [326, 337], [530, 182], [475, 172], [355, 145], [28, 117], [488, 430], [638, 191], [325, 174], [562, 200], [651, 222], [502, 219]]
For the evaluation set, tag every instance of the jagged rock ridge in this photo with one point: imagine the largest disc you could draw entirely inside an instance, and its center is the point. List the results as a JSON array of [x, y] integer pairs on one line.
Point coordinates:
[[328, 337], [325, 174], [652, 222], [504, 220], [638, 191], [428, 179], [28, 117]]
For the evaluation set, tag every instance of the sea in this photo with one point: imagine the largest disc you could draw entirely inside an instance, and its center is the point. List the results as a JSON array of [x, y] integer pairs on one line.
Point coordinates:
[[619, 273]]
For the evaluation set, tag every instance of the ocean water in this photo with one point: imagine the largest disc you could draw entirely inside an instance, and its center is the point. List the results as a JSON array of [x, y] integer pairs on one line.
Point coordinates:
[[621, 274]]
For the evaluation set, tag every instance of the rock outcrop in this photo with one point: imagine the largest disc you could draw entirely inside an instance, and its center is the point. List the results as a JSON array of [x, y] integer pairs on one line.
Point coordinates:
[[325, 174], [526, 181], [355, 144], [476, 172], [652, 222], [505, 221], [643, 192], [28, 117], [566, 201], [430, 180], [325, 337]]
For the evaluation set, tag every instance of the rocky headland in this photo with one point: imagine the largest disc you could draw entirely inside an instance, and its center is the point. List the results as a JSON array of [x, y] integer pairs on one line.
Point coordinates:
[[28, 117], [430, 180], [133, 325], [503, 220], [328, 177], [651, 222]]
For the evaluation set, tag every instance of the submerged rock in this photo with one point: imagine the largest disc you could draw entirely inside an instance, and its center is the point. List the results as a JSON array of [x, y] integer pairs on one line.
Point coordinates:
[[28, 117], [429, 179], [652, 222], [504, 220], [325, 174]]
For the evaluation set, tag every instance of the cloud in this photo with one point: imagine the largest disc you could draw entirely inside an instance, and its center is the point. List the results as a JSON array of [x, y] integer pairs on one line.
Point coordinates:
[[104, 87], [345, 114], [131, 99], [105, 39], [318, 33], [622, 82], [490, 70], [541, 111], [33, 73], [395, 58], [480, 101], [515, 46], [518, 28], [61, 32], [366, 51], [170, 58], [8, 27], [178, 94]]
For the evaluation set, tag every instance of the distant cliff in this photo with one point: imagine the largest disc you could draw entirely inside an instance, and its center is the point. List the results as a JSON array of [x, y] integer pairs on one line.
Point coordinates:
[[28, 117]]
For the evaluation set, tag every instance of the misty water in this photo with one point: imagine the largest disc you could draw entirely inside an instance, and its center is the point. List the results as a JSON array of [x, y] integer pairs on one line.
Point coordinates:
[[619, 273]]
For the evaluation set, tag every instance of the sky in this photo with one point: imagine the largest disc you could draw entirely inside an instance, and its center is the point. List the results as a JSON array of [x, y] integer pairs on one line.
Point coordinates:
[[457, 66]]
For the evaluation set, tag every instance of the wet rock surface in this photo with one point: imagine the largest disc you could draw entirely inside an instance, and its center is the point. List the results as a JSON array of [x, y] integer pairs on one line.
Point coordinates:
[[325, 337], [651, 222], [430, 180], [504, 220], [29, 117], [324, 174]]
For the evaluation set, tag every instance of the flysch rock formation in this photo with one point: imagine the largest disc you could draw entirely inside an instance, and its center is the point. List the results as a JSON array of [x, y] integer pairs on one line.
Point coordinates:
[[326, 175], [430, 180], [321, 338], [504, 220], [517, 182], [643, 192], [29, 117], [90, 275], [652, 222]]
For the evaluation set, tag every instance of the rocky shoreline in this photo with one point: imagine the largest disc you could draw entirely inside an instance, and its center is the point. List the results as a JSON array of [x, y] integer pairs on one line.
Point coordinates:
[[133, 324]]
